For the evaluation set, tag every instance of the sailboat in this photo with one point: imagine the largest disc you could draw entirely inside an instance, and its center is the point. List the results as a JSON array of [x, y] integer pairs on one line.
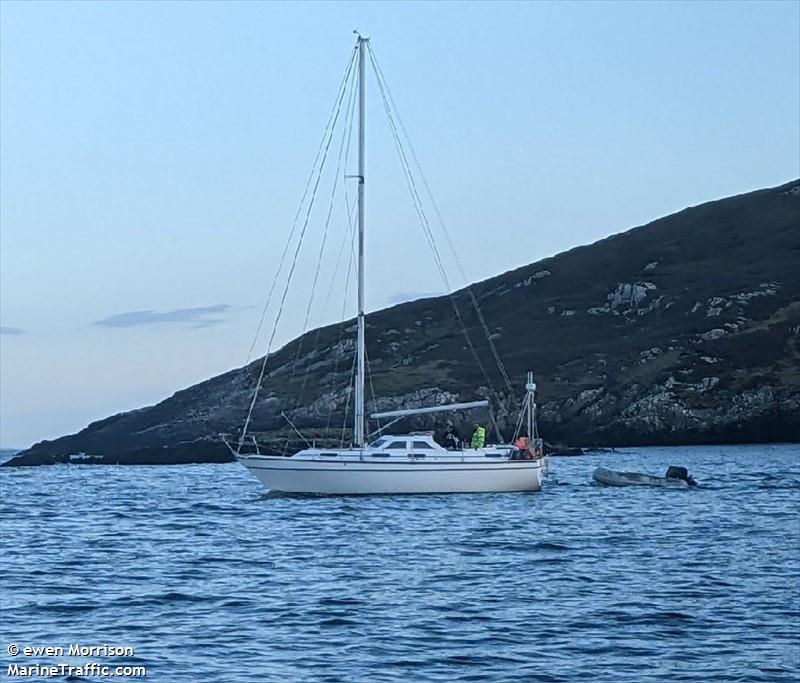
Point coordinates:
[[396, 463]]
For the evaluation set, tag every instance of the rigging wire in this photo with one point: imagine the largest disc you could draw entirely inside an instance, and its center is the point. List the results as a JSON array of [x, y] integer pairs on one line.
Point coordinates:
[[445, 231], [371, 385], [344, 80], [520, 418], [347, 402], [425, 224], [336, 267], [342, 326], [351, 260], [345, 127], [329, 130]]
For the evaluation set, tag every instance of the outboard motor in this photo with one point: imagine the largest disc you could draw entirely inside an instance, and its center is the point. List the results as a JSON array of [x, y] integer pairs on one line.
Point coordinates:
[[675, 472]]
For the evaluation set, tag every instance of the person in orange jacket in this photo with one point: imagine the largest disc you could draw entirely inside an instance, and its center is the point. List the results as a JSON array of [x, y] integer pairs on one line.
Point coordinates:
[[523, 451]]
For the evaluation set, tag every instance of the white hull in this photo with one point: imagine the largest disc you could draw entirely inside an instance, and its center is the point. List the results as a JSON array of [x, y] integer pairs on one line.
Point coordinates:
[[293, 475]]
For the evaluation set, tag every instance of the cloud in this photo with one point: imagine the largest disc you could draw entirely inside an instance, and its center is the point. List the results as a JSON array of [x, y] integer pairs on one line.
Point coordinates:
[[11, 330], [201, 316], [403, 297]]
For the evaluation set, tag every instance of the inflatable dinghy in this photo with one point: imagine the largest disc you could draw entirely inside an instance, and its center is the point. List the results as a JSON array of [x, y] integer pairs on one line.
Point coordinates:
[[677, 477]]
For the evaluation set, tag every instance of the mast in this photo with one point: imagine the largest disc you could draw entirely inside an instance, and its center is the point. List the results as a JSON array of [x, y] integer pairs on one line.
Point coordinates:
[[530, 389], [358, 431]]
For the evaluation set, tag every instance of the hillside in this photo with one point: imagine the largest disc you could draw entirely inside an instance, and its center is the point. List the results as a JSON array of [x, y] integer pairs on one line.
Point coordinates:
[[684, 330]]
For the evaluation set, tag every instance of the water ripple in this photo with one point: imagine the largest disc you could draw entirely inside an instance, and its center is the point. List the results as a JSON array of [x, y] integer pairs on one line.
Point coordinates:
[[210, 578]]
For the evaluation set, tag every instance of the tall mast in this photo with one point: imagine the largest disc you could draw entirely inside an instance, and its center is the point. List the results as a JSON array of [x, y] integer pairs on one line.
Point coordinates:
[[358, 431]]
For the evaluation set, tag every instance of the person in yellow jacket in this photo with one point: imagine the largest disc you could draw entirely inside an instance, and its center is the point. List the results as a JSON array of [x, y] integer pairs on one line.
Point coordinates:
[[478, 436]]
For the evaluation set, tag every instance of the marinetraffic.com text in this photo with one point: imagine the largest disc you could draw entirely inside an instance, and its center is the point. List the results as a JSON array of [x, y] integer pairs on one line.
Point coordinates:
[[27, 661]]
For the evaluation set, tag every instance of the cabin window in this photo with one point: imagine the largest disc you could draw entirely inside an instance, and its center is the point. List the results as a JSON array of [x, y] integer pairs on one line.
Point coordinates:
[[417, 456], [397, 444], [422, 444], [380, 455], [378, 442], [329, 455]]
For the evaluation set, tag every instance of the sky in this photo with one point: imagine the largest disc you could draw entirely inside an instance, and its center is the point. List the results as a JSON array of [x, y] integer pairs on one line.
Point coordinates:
[[153, 157]]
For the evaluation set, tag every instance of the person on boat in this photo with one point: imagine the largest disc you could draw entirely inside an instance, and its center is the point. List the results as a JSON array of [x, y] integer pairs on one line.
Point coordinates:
[[451, 440], [523, 451], [478, 436]]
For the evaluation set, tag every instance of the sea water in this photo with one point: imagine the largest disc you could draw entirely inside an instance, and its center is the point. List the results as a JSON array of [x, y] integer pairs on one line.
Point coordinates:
[[194, 574]]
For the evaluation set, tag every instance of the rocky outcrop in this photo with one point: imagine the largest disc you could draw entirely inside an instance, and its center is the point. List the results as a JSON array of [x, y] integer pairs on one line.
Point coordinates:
[[629, 298], [685, 330]]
